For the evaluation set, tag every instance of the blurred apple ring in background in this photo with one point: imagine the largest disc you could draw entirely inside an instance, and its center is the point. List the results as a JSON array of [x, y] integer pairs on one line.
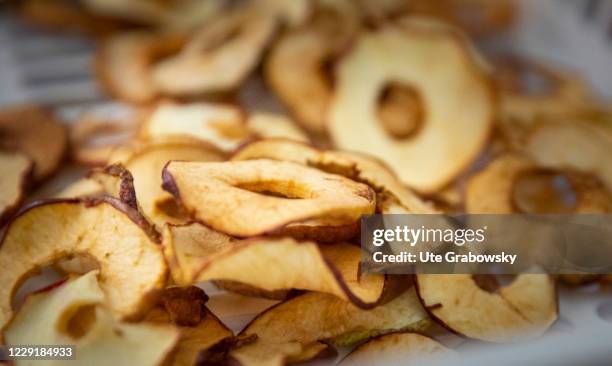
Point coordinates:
[[451, 135]]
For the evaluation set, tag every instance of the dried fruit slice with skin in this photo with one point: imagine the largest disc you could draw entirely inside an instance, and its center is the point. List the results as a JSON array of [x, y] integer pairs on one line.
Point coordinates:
[[219, 56], [145, 165], [297, 68], [356, 166], [224, 195], [530, 89], [269, 125], [331, 269], [291, 327], [124, 63], [203, 331], [132, 266], [74, 313], [219, 125], [37, 133], [586, 147], [522, 310], [450, 137], [513, 183], [408, 347], [16, 171]]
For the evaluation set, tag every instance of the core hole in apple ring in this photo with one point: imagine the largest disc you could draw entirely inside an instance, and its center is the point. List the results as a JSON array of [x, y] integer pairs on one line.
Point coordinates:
[[544, 191], [400, 110]]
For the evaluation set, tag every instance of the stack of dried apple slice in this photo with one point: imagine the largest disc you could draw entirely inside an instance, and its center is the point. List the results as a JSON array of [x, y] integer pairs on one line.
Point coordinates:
[[401, 114]]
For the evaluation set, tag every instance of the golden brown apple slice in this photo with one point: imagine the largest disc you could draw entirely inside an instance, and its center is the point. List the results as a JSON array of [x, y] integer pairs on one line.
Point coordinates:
[[269, 125], [219, 56], [36, 133], [530, 89], [195, 253], [358, 167], [145, 163], [123, 63], [408, 347], [199, 328], [226, 195], [132, 266], [292, 328], [219, 125], [513, 183], [522, 310], [73, 313], [298, 68], [16, 171], [450, 136], [586, 147]]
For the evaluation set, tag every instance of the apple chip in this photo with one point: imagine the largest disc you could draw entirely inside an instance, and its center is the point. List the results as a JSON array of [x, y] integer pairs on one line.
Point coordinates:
[[221, 126], [530, 89], [74, 314], [269, 125], [124, 63], [199, 328], [358, 167], [513, 183], [291, 329], [230, 197], [586, 147], [132, 266], [524, 309], [298, 68], [36, 133], [409, 347], [16, 170], [219, 56], [449, 136], [287, 264]]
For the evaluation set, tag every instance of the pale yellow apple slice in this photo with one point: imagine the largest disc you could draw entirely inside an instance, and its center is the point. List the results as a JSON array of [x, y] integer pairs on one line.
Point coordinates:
[[451, 135]]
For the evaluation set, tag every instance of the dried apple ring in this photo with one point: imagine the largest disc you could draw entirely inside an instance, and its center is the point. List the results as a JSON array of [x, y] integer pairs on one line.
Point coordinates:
[[395, 346], [16, 170], [530, 89], [124, 63], [513, 183], [586, 147], [524, 309], [219, 56], [289, 329], [220, 125], [297, 68], [288, 265], [358, 167], [132, 266], [225, 195], [74, 312], [451, 135], [37, 133]]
